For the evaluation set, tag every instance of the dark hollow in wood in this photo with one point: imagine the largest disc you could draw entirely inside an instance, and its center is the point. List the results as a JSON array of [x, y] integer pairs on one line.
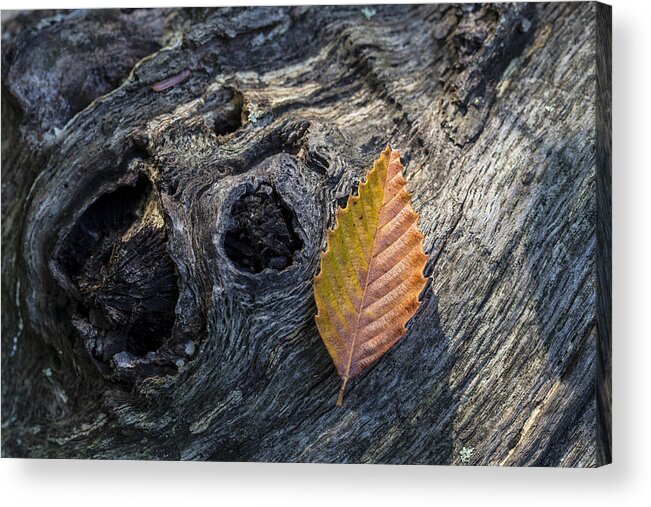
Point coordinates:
[[262, 235]]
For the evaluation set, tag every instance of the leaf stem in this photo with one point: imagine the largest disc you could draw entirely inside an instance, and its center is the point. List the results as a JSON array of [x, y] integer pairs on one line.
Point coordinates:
[[340, 399]]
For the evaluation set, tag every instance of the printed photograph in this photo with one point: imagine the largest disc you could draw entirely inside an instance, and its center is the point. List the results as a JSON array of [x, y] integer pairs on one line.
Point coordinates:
[[373, 234]]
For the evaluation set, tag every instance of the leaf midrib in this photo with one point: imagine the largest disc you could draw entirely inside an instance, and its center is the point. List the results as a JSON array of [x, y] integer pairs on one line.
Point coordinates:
[[368, 272]]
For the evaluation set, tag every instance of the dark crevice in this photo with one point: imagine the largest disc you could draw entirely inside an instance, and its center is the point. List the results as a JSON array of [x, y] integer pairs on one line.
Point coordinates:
[[262, 233], [89, 243], [133, 295], [482, 46], [124, 280], [227, 112]]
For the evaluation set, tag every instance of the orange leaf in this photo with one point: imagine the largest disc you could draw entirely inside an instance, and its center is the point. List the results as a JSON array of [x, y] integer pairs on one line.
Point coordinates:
[[371, 272]]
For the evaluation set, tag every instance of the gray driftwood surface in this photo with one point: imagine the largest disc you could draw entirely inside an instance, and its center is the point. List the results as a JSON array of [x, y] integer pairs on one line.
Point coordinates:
[[159, 243]]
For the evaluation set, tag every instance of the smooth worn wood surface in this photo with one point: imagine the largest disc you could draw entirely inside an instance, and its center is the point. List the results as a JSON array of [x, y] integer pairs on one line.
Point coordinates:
[[168, 178]]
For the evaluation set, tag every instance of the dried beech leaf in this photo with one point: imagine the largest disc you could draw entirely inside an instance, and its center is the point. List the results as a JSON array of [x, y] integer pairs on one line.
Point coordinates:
[[371, 272]]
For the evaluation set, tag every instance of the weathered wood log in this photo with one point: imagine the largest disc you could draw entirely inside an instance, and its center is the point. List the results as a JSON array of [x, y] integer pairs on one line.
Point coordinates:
[[168, 177]]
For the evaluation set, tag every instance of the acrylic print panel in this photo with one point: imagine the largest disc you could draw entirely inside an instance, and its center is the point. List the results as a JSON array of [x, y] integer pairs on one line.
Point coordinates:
[[184, 190]]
